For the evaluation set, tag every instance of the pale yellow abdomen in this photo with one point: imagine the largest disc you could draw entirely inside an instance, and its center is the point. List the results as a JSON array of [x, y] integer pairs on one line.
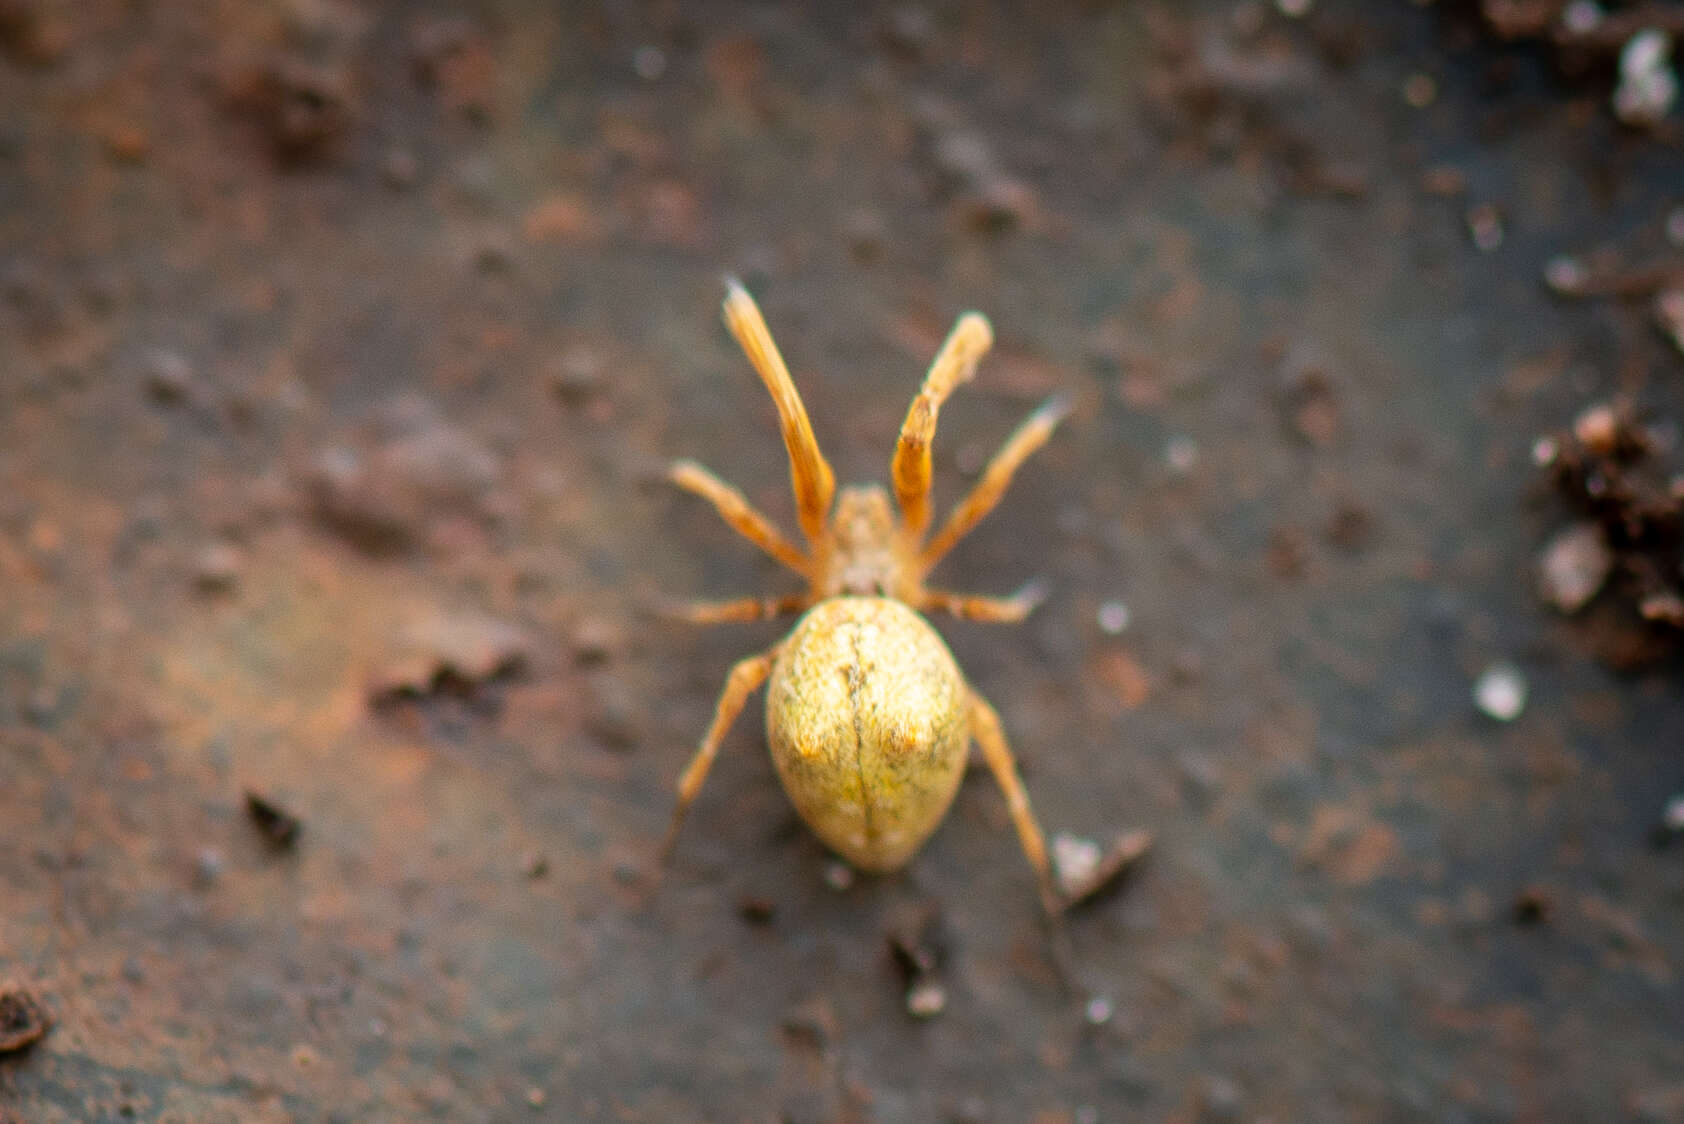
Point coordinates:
[[867, 719]]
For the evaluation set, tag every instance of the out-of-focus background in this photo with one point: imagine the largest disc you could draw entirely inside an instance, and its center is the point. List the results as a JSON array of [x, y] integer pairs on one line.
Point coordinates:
[[341, 346]]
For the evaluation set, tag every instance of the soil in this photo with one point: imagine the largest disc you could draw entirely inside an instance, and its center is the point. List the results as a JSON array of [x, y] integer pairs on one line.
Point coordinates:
[[343, 344]]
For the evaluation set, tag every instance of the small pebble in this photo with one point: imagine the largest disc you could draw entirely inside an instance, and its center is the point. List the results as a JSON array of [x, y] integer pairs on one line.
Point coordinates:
[[536, 1097], [1544, 451], [1084, 869], [1485, 227], [926, 999], [1113, 617], [1673, 817], [1294, 9], [1597, 428], [1098, 1010], [1566, 275], [217, 568], [838, 875], [1074, 859], [1181, 454], [1500, 691], [169, 376], [1574, 566], [579, 374], [1647, 86]]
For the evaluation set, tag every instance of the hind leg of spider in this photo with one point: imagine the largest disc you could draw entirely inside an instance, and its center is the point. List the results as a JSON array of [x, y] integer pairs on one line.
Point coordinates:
[[985, 728], [997, 477], [809, 472], [954, 364], [734, 508], [741, 609], [994, 610], [745, 678]]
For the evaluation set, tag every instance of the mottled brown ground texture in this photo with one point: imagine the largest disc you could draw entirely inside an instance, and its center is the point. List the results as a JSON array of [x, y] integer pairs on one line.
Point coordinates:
[[343, 344]]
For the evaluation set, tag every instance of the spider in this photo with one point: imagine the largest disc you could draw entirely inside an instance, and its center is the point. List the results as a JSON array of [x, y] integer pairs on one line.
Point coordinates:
[[868, 715]]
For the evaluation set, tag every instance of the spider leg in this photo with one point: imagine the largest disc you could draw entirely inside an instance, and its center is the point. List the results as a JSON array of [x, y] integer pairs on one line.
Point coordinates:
[[997, 477], [809, 472], [995, 610], [741, 609], [955, 363], [735, 509], [985, 728], [746, 676]]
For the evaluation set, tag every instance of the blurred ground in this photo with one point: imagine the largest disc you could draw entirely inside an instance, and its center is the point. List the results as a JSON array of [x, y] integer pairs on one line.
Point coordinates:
[[339, 343]]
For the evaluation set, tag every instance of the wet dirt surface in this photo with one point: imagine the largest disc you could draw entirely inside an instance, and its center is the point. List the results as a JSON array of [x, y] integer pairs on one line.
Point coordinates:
[[343, 345]]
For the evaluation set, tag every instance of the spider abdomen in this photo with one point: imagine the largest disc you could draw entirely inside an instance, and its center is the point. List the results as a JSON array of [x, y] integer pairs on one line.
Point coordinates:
[[867, 718]]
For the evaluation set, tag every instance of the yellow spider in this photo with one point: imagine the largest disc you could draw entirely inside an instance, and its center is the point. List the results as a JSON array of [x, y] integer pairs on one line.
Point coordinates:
[[868, 715]]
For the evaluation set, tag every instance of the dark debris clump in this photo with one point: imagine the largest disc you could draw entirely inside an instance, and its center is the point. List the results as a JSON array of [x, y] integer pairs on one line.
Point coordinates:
[[1610, 468], [918, 944], [279, 827], [23, 1019]]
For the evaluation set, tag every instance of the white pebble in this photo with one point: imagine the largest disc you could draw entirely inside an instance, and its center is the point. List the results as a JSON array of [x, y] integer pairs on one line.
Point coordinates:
[[1573, 567], [926, 999], [838, 875], [1074, 859], [1294, 9], [1501, 691], [1113, 617], [1099, 1010], [1566, 275], [1647, 86]]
